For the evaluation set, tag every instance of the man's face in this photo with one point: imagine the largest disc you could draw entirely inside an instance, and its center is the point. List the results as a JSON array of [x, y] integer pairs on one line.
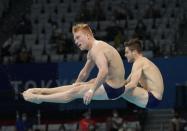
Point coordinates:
[[81, 40], [129, 55]]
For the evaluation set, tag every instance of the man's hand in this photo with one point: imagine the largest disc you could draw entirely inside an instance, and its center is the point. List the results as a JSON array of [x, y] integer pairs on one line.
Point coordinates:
[[88, 96], [28, 96]]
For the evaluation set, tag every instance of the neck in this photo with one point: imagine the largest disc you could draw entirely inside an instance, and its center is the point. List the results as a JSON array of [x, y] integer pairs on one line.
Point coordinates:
[[138, 56], [91, 43]]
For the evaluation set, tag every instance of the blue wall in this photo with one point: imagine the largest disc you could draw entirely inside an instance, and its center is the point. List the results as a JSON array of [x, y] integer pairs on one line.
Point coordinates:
[[49, 75], [174, 71]]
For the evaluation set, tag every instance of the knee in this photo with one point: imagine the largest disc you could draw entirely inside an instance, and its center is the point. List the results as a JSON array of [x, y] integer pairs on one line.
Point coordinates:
[[70, 95], [74, 90], [80, 90]]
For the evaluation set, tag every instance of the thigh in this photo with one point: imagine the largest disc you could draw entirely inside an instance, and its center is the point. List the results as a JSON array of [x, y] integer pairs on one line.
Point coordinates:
[[99, 94], [137, 96], [60, 89], [77, 87]]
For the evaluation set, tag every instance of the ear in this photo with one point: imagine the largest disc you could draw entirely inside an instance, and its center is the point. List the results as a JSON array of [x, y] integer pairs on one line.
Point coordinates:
[[88, 36], [133, 52]]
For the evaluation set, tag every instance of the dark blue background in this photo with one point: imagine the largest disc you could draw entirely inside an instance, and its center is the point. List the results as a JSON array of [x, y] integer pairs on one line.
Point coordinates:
[[173, 71]]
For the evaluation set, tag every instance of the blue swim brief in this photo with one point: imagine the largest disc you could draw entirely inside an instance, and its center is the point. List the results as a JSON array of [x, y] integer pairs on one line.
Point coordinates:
[[152, 101], [113, 93]]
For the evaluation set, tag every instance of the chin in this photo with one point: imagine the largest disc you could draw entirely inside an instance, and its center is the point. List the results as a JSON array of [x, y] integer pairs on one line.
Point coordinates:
[[82, 49], [130, 61]]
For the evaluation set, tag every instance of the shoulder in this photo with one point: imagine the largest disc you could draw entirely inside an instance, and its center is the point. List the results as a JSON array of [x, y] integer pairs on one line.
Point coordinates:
[[139, 63], [143, 60], [146, 62], [99, 47]]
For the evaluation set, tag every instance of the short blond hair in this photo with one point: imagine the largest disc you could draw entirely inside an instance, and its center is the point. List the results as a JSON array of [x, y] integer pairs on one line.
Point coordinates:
[[82, 27]]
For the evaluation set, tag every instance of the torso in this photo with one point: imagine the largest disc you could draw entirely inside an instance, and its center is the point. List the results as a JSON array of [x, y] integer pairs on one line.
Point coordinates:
[[116, 69], [151, 78]]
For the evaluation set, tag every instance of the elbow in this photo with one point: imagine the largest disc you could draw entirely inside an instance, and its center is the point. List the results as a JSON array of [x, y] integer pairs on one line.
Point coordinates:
[[84, 75]]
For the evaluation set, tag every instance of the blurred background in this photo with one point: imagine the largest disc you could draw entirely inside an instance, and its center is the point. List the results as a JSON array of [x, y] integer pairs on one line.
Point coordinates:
[[37, 50]]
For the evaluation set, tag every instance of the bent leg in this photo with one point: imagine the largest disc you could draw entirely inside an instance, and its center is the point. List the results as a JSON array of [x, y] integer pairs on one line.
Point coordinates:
[[61, 94], [64, 96], [75, 93], [137, 96], [61, 88], [57, 89], [48, 91], [67, 95]]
